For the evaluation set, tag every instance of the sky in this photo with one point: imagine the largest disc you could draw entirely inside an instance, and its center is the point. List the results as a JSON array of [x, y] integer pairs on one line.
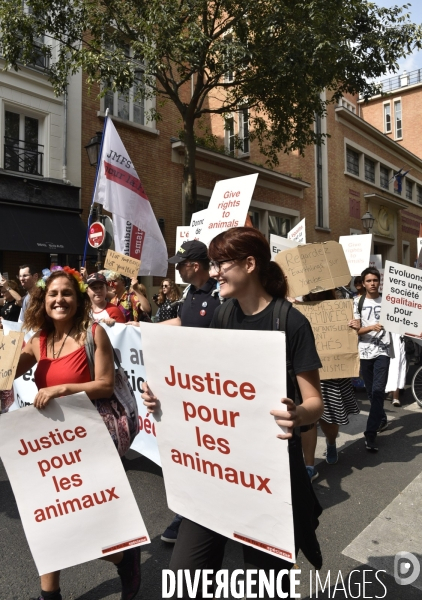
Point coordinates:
[[413, 61]]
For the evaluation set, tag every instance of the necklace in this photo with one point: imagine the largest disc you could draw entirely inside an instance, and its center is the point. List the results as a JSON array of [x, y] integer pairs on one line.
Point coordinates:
[[61, 347]]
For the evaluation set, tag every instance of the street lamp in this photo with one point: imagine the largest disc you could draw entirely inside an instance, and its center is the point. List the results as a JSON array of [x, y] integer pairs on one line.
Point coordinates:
[[367, 221], [93, 148]]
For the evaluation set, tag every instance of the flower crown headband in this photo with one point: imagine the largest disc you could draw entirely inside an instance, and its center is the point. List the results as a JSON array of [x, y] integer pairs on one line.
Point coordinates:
[[46, 274]]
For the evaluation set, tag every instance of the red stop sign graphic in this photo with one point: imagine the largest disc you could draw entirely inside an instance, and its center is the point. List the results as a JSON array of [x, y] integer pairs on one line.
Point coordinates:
[[96, 235]]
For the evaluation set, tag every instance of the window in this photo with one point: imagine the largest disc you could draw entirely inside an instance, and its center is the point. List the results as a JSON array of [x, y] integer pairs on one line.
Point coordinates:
[[369, 170], [409, 190], [244, 129], [22, 152], [387, 118], [384, 177], [397, 119], [278, 225], [419, 194], [352, 160], [254, 216], [229, 134]]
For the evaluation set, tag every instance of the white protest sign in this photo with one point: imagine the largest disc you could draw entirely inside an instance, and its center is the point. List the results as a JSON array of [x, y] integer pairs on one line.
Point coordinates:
[[72, 492], [223, 465], [228, 206], [196, 224], [419, 261], [401, 303], [375, 260], [419, 244], [278, 244], [298, 233], [357, 249], [182, 235], [127, 342]]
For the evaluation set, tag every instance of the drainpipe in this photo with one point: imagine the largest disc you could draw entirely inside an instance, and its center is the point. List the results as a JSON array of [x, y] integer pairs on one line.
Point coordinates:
[[64, 168]]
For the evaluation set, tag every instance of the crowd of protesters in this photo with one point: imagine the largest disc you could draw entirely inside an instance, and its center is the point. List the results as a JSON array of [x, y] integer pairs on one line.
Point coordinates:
[[234, 285]]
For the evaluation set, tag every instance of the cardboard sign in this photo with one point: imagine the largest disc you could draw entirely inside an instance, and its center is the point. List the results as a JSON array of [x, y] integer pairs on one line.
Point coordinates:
[[196, 224], [357, 249], [182, 235], [298, 233], [228, 206], [314, 268], [122, 264], [336, 342], [375, 260], [278, 244], [223, 465], [10, 350], [401, 303], [72, 492]]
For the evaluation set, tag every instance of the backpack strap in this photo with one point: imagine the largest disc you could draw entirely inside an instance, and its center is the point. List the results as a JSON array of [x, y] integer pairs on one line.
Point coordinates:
[[90, 350], [360, 304], [224, 312]]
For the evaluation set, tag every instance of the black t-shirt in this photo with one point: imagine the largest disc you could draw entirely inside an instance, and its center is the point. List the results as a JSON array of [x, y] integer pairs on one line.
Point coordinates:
[[300, 341], [199, 305], [10, 311], [167, 311]]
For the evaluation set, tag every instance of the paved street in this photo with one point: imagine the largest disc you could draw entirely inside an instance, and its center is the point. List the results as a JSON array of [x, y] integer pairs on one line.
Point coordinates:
[[372, 510]]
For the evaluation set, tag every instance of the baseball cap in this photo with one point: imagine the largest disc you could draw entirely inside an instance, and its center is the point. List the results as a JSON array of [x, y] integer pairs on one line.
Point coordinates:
[[193, 250], [96, 277]]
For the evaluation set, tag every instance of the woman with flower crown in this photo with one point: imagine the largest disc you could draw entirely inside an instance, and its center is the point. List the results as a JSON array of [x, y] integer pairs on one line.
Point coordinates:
[[59, 313]]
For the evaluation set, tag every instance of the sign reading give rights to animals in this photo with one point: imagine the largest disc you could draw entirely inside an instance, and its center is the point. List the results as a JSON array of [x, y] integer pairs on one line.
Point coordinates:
[[223, 465], [73, 495]]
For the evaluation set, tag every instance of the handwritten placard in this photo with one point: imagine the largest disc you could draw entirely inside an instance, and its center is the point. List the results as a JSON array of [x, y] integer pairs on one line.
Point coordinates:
[[10, 349], [314, 268], [125, 265], [336, 342]]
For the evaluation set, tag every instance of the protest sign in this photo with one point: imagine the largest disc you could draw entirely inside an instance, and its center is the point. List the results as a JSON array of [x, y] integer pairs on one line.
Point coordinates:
[[228, 206], [182, 235], [196, 224], [10, 350], [401, 302], [336, 342], [223, 465], [418, 264], [357, 249], [72, 493], [314, 268], [419, 244], [127, 343], [278, 244], [125, 265], [298, 233], [375, 260]]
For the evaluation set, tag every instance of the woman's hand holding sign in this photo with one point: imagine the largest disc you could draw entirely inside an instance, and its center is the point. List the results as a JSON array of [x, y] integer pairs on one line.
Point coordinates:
[[150, 401], [287, 418]]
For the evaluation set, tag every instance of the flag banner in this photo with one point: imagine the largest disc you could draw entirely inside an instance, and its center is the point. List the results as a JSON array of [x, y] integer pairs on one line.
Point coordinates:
[[120, 191]]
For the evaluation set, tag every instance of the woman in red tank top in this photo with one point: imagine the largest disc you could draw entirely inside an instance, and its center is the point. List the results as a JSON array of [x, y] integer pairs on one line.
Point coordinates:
[[59, 313]]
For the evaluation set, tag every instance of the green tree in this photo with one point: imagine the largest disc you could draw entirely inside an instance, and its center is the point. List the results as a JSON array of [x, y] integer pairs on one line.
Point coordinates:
[[282, 56]]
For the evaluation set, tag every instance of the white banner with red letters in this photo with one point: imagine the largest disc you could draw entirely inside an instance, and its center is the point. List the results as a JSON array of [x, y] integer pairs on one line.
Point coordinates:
[[126, 340], [223, 465], [120, 191], [74, 498]]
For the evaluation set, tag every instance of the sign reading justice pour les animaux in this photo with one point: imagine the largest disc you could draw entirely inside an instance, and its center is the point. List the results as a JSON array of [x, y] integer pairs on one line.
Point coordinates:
[[223, 465], [72, 492]]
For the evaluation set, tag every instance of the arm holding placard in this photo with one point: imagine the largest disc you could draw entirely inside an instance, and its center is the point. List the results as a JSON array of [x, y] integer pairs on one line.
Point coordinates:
[[306, 413]]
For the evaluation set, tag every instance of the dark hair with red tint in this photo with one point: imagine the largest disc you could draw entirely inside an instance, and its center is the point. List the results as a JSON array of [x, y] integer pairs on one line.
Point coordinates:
[[240, 242]]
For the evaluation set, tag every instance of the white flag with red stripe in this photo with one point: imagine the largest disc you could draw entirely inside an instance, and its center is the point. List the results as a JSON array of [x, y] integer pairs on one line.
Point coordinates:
[[120, 191]]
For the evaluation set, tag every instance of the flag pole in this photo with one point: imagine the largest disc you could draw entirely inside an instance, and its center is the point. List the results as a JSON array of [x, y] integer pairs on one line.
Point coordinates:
[[95, 188]]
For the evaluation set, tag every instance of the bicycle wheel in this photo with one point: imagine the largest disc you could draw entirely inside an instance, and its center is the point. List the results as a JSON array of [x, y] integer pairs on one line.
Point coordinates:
[[417, 386]]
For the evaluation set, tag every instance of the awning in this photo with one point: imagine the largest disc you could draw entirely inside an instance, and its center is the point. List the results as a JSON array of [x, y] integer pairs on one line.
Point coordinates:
[[41, 230]]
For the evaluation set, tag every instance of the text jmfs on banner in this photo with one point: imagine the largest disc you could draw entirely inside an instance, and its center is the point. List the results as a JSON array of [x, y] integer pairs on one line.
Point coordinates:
[[72, 492], [223, 465], [120, 191]]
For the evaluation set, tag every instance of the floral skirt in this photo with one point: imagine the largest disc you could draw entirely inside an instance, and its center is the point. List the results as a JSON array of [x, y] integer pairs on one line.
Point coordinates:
[[116, 421]]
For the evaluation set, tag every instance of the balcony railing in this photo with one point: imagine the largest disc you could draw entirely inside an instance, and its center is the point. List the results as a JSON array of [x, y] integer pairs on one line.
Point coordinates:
[[401, 81], [21, 156]]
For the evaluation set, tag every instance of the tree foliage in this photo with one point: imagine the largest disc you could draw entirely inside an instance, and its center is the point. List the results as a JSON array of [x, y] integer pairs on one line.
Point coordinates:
[[283, 55]]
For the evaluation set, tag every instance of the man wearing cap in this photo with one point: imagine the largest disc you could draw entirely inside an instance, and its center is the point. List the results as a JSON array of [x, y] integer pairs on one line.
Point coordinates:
[[101, 309], [201, 298]]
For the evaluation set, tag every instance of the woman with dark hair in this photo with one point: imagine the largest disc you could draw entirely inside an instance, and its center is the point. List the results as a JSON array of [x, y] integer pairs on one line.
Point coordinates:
[[59, 313], [169, 294], [241, 262], [9, 307], [339, 402]]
